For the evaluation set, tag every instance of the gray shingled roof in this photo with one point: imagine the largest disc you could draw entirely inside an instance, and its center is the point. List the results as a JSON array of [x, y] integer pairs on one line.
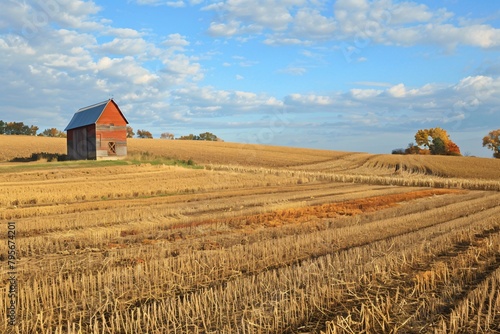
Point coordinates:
[[88, 115]]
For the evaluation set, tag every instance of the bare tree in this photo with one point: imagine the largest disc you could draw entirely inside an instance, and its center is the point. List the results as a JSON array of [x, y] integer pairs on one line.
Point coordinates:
[[167, 135]]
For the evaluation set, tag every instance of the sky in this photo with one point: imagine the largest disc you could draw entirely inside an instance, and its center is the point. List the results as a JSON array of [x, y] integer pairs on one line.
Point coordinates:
[[350, 75]]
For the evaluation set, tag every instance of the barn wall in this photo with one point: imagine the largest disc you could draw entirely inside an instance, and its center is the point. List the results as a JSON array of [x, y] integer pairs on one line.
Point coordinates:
[[111, 127], [106, 134], [91, 142], [81, 143]]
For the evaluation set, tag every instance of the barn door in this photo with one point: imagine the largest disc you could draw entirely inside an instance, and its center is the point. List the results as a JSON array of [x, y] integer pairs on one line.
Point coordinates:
[[111, 148]]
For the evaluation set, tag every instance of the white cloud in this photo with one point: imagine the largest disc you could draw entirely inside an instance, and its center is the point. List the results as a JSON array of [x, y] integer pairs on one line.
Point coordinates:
[[475, 83], [312, 25], [57, 68], [409, 12], [176, 40], [68, 13], [276, 40], [303, 22], [207, 109], [312, 100], [14, 44], [225, 29], [176, 4], [245, 95], [123, 32], [397, 91], [252, 16], [365, 93], [183, 68], [125, 69], [125, 46]]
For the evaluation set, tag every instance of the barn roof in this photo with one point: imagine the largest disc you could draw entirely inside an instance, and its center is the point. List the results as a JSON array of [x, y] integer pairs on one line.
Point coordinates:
[[90, 115]]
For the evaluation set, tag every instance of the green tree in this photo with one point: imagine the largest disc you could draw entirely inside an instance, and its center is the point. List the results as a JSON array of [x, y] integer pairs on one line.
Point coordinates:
[[3, 125], [398, 151], [189, 137], [438, 146], [208, 136], [202, 136], [17, 128]]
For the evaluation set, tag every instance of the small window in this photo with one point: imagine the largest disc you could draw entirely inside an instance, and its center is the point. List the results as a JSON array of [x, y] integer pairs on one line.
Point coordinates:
[[112, 147]]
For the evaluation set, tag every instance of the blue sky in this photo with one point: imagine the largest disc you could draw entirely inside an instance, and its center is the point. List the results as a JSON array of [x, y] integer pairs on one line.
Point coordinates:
[[352, 75]]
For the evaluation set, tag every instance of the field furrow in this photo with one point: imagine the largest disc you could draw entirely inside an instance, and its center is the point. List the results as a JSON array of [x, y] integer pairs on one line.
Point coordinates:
[[258, 240]]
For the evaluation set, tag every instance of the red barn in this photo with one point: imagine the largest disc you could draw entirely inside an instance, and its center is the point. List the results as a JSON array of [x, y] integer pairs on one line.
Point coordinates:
[[97, 132]]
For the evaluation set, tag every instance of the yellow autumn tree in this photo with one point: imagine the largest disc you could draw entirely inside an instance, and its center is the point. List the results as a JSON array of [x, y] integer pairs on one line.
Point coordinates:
[[437, 141], [426, 136]]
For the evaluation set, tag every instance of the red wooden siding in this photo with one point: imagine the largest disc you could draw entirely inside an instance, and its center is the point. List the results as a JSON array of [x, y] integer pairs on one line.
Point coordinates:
[[111, 127], [111, 115]]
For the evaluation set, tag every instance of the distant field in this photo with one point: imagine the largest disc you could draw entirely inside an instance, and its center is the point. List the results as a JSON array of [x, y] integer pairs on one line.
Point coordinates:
[[23, 146], [253, 239], [247, 155]]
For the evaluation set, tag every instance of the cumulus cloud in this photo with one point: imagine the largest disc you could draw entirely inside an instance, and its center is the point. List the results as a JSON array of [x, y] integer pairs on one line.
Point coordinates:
[[176, 40], [302, 22], [124, 46], [252, 15], [122, 32], [457, 107], [59, 67]]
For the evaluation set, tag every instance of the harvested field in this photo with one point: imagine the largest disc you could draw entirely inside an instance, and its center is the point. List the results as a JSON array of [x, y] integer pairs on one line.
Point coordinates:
[[23, 146], [249, 155], [289, 245]]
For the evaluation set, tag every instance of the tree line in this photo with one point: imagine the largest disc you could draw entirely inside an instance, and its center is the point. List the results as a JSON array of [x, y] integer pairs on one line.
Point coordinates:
[[208, 136], [19, 128], [436, 141]]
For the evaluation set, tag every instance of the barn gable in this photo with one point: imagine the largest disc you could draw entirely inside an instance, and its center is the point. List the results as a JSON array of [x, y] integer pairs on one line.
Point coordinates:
[[91, 115], [97, 132]]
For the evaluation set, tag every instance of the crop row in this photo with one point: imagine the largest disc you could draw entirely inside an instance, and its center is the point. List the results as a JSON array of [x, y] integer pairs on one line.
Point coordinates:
[[274, 285]]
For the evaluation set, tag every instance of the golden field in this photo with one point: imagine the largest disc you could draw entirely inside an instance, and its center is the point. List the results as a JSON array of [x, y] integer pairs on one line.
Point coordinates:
[[250, 155], [252, 239]]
